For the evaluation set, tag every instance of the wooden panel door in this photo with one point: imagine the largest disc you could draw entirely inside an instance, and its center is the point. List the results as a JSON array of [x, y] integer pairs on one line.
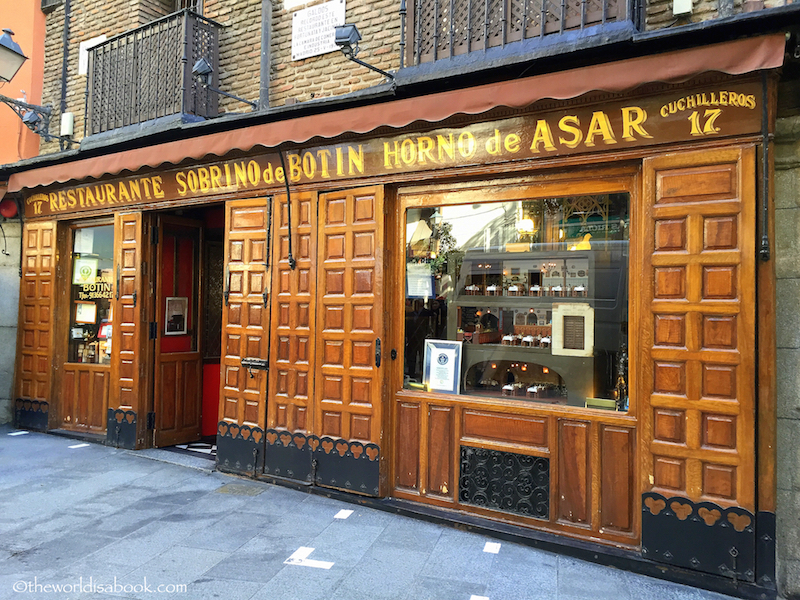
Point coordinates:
[[84, 397], [294, 316], [127, 351], [698, 343], [245, 315], [178, 353], [36, 311], [350, 315]]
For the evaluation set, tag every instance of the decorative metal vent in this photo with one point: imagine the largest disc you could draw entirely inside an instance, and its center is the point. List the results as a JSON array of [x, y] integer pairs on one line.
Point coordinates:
[[505, 481]]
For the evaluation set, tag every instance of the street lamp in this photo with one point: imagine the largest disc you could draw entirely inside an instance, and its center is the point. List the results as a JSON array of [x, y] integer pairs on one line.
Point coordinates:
[[11, 56], [35, 117]]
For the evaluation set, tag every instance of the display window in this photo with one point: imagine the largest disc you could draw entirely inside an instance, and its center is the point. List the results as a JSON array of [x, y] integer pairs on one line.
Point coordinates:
[[91, 290], [524, 299]]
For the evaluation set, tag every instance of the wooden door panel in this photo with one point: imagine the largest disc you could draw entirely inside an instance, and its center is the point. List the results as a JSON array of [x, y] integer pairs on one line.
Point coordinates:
[[574, 472], [178, 361], [440, 451], [294, 309], [407, 455], [127, 307], [698, 389], [84, 397], [36, 311], [178, 386], [350, 312], [617, 481], [245, 318]]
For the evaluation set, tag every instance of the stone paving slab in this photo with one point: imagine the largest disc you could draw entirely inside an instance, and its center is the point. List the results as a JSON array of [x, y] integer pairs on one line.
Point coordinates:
[[120, 518]]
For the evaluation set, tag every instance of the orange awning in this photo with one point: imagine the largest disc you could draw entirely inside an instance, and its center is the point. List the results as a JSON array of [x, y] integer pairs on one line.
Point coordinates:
[[732, 58]]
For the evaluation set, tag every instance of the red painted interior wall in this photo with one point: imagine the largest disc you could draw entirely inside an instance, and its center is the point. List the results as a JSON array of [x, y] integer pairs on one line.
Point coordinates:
[[184, 286], [211, 379]]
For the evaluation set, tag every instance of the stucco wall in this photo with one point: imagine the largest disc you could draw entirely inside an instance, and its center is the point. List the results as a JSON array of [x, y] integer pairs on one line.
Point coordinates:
[[787, 264], [9, 302]]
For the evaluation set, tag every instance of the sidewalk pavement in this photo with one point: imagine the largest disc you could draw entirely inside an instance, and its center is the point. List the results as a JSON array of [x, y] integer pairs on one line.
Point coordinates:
[[105, 523]]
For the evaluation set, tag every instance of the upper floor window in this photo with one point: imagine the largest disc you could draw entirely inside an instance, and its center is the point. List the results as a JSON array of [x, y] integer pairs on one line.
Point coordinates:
[[194, 5]]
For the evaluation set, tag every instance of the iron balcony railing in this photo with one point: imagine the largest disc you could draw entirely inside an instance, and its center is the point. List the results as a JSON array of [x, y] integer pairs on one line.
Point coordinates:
[[146, 73], [439, 29]]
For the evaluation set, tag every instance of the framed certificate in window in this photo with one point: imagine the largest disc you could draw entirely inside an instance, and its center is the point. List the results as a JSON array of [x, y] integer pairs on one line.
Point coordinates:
[[85, 312], [442, 362]]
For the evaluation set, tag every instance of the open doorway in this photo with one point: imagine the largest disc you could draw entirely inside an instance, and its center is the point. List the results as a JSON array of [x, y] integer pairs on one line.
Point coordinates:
[[186, 291]]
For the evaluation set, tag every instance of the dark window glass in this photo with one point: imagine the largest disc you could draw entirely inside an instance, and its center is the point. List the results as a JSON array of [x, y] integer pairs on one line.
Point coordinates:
[[91, 288], [536, 291]]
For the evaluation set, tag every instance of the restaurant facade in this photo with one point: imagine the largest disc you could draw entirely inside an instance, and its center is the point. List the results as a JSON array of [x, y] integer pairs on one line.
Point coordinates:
[[542, 306]]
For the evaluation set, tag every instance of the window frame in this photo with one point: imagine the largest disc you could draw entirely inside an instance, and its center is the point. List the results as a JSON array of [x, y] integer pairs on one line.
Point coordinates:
[[619, 179]]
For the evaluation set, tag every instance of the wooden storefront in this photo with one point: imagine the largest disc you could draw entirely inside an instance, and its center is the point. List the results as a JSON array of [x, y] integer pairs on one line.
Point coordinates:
[[313, 350]]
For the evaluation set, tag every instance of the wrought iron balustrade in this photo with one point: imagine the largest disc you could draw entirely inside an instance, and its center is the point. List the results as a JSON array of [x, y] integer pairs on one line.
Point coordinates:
[[439, 29], [146, 73]]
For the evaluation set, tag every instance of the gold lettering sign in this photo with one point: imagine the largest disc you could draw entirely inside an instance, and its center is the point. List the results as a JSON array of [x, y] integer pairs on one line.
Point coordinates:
[[703, 114]]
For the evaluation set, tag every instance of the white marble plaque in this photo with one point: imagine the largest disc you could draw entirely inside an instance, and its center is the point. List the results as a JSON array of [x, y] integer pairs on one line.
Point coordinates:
[[313, 29]]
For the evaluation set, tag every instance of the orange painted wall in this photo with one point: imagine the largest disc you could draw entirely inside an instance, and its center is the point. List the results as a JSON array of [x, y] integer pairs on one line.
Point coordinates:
[[27, 21]]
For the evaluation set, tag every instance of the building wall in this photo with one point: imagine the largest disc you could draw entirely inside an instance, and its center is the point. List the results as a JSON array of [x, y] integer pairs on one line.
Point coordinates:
[[240, 50], [9, 303], [88, 19], [787, 264], [27, 22], [332, 74]]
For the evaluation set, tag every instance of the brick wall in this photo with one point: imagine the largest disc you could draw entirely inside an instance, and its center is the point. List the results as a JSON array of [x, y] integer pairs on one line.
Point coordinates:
[[150, 10], [332, 74], [659, 12], [240, 56], [240, 50], [88, 19]]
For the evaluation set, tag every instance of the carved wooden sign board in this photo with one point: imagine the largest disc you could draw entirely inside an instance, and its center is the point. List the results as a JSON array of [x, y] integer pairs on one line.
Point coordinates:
[[716, 111]]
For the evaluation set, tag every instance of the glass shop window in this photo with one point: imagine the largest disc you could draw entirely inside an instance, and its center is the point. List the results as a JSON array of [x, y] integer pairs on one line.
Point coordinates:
[[524, 300], [91, 290]]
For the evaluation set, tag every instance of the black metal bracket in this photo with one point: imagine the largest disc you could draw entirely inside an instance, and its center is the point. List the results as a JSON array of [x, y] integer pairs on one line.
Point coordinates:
[[35, 117], [227, 291], [213, 89], [259, 364], [350, 54]]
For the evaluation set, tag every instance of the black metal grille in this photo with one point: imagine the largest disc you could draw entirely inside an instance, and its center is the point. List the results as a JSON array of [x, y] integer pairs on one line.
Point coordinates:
[[505, 481], [446, 28], [145, 73]]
